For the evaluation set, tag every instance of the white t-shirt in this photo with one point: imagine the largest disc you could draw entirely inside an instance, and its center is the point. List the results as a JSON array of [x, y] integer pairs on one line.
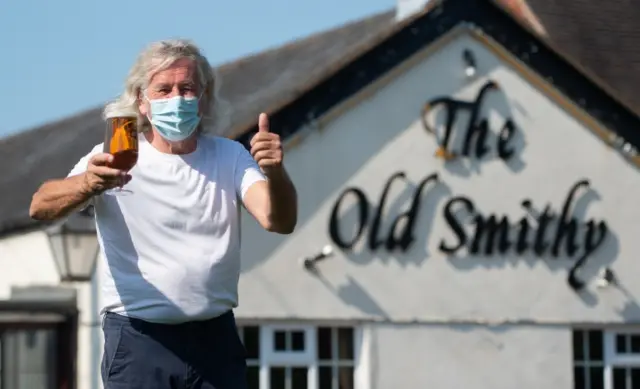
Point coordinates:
[[171, 250]]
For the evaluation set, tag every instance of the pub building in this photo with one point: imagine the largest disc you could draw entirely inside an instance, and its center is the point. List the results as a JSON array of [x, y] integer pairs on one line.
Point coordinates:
[[467, 173]]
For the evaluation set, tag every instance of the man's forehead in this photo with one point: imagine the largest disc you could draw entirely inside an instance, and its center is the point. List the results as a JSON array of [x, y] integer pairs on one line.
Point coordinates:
[[181, 70]]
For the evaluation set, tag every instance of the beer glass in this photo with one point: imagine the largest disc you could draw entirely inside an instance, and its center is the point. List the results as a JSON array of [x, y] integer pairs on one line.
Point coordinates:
[[121, 141]]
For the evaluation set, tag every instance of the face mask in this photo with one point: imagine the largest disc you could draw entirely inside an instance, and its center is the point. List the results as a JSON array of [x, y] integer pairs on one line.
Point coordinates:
[[175, 118]]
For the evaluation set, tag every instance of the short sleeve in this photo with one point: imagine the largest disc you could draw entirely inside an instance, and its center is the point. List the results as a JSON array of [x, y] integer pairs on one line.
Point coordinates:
[[81, 166], [247, 171]]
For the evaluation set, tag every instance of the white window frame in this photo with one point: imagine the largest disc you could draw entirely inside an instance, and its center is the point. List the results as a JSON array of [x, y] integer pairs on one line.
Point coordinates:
[[308, 358], [269, 357], [610, 358]]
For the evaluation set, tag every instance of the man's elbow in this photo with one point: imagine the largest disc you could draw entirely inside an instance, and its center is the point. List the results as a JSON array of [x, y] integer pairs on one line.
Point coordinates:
[[41, 210], [36, 211], [287, 230], [284, 228]]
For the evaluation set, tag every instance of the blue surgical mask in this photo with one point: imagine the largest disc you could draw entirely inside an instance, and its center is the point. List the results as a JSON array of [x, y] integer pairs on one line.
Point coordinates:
[[175, 118]]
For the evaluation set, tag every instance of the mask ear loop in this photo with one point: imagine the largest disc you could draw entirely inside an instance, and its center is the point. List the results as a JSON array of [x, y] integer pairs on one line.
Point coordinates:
[[200, 116]]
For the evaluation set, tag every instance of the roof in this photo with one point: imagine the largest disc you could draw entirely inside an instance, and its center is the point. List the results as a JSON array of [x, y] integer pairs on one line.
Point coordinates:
[[603, 37], [585, 48], [264, 82]]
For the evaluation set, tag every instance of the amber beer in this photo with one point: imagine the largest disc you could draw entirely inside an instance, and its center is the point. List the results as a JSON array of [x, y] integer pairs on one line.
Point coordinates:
[[121, 141]]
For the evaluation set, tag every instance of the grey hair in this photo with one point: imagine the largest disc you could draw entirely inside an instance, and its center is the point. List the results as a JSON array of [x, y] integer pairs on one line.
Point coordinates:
[[157, 57]]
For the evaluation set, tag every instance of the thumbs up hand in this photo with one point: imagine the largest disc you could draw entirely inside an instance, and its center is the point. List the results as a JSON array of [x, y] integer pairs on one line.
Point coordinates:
[[266, 147]]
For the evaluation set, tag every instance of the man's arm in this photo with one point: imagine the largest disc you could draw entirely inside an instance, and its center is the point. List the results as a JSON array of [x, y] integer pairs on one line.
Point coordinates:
[[273, 201], [56, 199]]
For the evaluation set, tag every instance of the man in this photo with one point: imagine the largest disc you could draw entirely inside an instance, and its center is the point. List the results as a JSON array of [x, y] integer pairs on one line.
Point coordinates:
[[170, 250]]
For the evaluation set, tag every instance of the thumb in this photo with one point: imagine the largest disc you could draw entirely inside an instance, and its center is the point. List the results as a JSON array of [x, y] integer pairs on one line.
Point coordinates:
[[263, 123]]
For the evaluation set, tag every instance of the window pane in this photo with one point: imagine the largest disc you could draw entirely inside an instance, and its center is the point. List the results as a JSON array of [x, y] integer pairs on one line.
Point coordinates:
[[280, 340], [297, 341], [595, 346], [597, 377], [619, 378], [325, 377], [578, 346], [621, 344], [253, 377], [324, 343], [578, 378], [30, 358], [345, 378], [345, 344], [277, 378], [635, 377], [299, 378], [252, 342], [635, 344]]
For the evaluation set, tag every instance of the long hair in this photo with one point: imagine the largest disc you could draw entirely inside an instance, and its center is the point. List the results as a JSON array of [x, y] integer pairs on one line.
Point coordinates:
[[159, 56]]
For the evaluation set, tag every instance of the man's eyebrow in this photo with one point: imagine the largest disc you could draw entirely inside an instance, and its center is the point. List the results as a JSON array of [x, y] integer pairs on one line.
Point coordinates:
[[161, 85]]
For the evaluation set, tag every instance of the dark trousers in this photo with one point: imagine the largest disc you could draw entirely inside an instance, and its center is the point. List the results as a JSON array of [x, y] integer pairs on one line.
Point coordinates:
[[195, 355]]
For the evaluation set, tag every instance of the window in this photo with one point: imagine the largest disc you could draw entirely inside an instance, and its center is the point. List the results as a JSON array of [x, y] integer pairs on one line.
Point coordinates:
[[335, 358], [300, 357], [250, 337], [28, 358], [588, 359], [606, 359]]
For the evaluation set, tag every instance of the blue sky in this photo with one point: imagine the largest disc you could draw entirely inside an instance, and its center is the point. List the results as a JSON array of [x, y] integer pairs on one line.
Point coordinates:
[[61, 57]]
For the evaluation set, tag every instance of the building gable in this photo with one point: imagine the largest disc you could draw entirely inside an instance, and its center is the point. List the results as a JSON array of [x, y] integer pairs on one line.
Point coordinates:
[[539, 205]]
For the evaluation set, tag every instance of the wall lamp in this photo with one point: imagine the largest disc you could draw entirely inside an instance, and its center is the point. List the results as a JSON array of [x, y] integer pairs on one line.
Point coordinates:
[[74, 246], [606, 278], [309, 263], [469, 61]]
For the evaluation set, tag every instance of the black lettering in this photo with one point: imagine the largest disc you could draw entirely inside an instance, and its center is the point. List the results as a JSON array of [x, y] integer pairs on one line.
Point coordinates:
[[504, 137], [521, 243], [482, 127], [523, 231], [363, 217], [374, 240], [491, 234], [454, 224], [490, 228], [477, 129], [591, 244], [451, 108], [540, 244], [407, 236], [567, 226], [480, 132]]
